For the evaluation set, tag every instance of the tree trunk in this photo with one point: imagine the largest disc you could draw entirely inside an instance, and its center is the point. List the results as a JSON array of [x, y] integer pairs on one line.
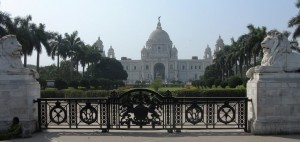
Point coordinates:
[[38, 62], [83, 70], [57, 62], [254, 59], [25, 60]]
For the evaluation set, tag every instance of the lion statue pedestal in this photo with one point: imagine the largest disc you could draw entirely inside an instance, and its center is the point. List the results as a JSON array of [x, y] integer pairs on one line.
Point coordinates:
[[18, 88], [274, 88]]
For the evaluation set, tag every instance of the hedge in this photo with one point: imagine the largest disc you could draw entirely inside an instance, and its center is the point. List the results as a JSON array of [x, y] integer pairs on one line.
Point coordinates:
[[103, 93]]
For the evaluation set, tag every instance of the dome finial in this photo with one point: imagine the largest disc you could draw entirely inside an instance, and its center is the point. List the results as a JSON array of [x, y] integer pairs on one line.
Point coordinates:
[[158, 24]]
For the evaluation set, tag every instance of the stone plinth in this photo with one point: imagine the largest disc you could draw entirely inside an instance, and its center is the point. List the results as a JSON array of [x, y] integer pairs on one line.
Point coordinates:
[[17, 93], [275, 107]]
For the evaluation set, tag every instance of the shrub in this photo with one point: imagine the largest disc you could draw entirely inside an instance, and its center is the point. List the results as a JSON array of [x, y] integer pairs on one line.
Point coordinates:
[[209, 82], [60, 84], [156, 84], [217, 82], [95, 83], [85, 83], [43, 83], [103, 93], [234, 81], [105, 83], [211, 93], [223, 84], [74, 84]]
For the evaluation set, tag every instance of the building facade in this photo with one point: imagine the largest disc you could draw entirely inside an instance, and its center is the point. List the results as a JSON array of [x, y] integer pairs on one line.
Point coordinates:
[[159, 60]]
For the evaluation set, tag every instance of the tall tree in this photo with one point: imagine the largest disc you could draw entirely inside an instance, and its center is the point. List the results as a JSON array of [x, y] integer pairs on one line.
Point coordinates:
[[24, 36], [59, 48], [40, 38], [6, 25], [295, 22], [73, 43]]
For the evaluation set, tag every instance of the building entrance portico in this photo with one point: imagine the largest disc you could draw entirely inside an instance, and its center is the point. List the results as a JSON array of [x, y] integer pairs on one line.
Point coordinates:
[[159, 71]]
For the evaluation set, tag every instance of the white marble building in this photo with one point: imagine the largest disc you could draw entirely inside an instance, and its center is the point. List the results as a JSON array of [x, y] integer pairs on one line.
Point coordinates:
[[159, 59]]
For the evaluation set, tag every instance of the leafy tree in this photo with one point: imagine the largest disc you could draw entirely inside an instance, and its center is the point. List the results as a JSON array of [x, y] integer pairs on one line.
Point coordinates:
[[49, 72], [212, 71], [66, 68], [111, 69]]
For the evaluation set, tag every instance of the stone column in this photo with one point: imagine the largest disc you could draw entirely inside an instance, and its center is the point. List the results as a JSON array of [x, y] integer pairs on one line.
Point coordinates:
[[275, 106], [17, 93]]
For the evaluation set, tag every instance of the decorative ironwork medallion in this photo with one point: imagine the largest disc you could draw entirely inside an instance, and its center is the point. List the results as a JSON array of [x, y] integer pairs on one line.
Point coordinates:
[[140, 108], [226, 113], [88, 114], [194, 114], [58, 114]]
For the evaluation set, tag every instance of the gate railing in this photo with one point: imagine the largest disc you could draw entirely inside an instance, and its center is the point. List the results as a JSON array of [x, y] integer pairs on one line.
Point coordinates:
[[143, 109]]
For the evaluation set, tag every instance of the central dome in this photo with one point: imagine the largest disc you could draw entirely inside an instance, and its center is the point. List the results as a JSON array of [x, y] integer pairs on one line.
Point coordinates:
[[159, 35]]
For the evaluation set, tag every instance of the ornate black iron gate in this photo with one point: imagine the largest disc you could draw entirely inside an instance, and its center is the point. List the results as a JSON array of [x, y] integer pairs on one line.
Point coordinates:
[[143, 109]]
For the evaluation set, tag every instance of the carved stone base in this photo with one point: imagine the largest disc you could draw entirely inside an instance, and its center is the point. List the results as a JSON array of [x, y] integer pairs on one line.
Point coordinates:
[[17, 93], [275, 106]]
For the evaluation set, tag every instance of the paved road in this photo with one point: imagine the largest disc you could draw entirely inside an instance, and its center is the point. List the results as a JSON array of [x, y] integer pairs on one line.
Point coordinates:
[[153, 136]]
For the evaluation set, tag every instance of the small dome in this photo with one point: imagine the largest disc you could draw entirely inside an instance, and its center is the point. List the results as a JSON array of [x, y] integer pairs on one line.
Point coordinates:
[[144, 49], [174, 49], [110, 49]]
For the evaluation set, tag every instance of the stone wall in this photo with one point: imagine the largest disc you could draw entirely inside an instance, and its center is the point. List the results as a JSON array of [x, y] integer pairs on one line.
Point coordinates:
[[17, 94], [275, 106]]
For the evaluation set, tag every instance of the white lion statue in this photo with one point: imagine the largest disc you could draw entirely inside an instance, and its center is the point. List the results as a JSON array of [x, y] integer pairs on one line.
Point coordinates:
[[278, 55], [10, 58]]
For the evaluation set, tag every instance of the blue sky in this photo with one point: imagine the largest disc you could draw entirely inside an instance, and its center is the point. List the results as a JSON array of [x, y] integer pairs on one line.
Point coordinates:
[[127, 24]]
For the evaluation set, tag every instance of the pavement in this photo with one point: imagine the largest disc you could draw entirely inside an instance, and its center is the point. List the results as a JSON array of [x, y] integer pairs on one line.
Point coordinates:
[[153, 136]]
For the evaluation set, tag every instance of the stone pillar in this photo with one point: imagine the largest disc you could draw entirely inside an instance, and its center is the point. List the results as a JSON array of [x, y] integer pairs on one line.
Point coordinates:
[[17, 93], [275, 106]]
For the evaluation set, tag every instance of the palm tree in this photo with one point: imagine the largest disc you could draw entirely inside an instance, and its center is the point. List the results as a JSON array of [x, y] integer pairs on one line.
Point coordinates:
[[73, 43], [40, 37], [256, 36], [83, 56], [295, 21], [23, 33], [59, 48], [6, 24]]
